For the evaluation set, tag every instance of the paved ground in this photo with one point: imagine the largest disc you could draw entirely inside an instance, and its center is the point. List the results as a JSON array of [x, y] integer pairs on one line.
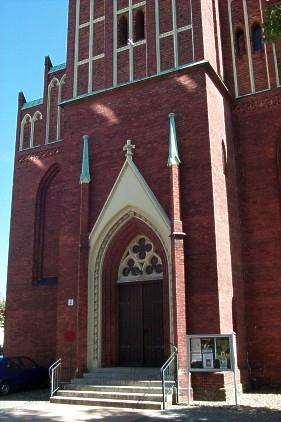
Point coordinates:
[[34, 406]]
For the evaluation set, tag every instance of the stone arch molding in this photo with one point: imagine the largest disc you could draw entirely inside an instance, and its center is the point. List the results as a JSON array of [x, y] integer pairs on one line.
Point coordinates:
[[129, 198]]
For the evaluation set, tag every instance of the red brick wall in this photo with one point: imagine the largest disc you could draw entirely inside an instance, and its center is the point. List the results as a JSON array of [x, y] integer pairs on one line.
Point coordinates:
[[261, 230], [31, 308], [256, 133]]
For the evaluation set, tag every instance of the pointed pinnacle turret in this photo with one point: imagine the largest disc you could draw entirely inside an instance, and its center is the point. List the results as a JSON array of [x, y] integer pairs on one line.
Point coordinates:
[[173, 158], [85, 172]]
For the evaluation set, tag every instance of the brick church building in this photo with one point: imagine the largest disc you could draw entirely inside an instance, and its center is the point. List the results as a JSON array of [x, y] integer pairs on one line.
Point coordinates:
[[146, 198]]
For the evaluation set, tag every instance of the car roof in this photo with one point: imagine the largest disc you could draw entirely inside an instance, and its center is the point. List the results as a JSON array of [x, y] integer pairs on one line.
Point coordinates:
[[14, 357]]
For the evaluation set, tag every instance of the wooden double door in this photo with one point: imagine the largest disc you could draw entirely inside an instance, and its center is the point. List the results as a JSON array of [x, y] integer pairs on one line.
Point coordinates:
[[141, 324]]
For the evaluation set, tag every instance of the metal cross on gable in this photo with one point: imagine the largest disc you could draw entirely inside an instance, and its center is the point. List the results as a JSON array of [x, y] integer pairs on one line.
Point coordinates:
[[129, 147]]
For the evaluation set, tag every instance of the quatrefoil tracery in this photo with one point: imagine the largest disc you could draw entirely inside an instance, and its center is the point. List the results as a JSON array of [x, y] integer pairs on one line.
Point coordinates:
[[140, 261]]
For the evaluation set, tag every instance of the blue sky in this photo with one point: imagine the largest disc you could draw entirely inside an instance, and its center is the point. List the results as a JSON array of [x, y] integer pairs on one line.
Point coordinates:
[[29, 31]]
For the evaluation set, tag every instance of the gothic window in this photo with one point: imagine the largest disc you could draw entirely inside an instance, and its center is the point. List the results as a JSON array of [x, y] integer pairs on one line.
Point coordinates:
[[123, 31], [139, 25], [52, 111], [257, 37], [46, 229], [37, 129], [140, 261], [240, 46], [25, 134]]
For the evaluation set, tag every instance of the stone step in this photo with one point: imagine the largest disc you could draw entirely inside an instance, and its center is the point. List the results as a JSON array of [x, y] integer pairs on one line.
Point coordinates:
[[113, 388], [126, 370], [133, 377], [129, 404], [112, 395], [114, 381]]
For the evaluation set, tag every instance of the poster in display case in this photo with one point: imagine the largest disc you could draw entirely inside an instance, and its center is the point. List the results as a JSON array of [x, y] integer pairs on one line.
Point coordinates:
[[210, 353]]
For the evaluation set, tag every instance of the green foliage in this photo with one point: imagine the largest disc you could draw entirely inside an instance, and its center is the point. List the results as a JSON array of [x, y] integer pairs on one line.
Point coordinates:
[[2, 312], [272, 23]]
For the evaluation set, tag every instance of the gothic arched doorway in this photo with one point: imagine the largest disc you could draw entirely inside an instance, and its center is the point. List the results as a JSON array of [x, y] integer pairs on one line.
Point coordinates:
[[140, 310], [135, 299]]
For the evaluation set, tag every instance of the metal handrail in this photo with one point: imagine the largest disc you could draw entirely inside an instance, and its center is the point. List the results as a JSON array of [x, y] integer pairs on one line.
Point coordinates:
[[170, 368], [55, 375]]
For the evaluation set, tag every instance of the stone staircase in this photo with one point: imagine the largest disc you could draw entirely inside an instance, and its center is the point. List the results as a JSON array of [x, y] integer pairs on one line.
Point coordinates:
[[134, 388]]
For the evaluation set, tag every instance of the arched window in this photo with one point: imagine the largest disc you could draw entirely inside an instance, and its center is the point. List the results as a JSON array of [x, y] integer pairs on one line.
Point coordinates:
[[47, 228], [139, 32], [240, 46], [25, 133], [257, 37], [123, 31], [37, 129]]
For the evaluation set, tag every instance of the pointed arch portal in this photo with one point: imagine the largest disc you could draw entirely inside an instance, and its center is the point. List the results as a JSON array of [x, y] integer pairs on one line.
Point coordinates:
[[135, 298], [119, 224]]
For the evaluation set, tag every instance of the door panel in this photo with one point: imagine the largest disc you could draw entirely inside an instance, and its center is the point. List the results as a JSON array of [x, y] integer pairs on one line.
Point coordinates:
[[130, 325], [152, 324], [141, 324]]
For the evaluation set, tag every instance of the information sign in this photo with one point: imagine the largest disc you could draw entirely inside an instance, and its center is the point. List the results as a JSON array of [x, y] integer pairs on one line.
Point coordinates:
[[212, 353]]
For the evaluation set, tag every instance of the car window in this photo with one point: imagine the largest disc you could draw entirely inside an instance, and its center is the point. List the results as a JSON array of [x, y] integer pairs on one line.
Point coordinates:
[[28, 363], [13, 363]]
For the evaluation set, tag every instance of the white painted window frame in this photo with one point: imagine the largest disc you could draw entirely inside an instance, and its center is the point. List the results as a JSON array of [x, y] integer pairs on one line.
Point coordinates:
[[23, 122], [275, 59], [53, 83], [174, 32], [36, 116], [130, 47], [91, 59], [249, 51]]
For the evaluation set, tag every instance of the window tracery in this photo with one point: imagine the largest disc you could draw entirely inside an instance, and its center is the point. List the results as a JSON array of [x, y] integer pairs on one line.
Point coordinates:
[[140, 262]]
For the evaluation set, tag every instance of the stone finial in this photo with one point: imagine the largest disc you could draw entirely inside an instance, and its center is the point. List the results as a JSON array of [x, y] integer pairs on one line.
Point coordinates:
[[85, 172], [173, 158], [129, 147]]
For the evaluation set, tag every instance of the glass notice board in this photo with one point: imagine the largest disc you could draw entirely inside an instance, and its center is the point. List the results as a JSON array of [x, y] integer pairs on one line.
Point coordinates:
[[211, 353]]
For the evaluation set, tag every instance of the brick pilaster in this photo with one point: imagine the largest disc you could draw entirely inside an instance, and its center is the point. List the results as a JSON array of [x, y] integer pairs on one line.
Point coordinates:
[[82, 281], [178, 282]]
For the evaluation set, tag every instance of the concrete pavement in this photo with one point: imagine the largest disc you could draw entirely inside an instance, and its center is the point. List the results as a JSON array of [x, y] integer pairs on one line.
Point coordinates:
[[34, 406]]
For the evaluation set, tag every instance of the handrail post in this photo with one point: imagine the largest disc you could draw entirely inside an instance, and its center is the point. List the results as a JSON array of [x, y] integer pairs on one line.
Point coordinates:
[[177, 376], [163, 389], [54, 374], [172, 371], [52, 384]]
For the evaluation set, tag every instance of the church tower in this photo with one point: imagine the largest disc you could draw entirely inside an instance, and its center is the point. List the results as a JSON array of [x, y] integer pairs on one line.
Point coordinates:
[[146, 198]]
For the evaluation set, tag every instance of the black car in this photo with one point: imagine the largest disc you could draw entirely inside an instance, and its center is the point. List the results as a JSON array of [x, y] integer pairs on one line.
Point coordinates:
[[19, 371]]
